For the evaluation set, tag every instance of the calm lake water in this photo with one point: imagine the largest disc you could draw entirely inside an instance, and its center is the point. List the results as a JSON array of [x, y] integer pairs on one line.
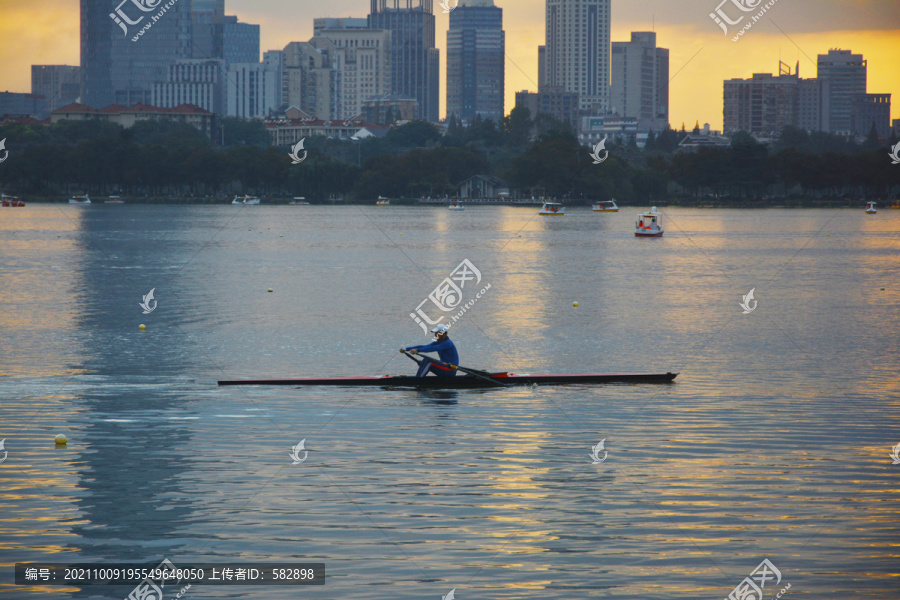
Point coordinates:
[[774, 442]]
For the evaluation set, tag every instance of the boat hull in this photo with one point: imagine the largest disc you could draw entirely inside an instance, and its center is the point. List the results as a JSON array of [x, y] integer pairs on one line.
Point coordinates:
[[462, 381], [644, 234]]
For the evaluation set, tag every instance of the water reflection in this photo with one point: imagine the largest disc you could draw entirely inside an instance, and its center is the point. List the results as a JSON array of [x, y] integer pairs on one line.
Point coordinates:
[[438, 397], [134, 460], [38, 292]]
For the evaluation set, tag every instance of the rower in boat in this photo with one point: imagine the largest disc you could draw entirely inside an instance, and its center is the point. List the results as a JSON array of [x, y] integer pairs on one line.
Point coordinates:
[[446, 350]]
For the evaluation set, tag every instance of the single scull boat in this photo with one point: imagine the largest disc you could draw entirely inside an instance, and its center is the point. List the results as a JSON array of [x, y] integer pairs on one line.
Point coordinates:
[[463, 381]]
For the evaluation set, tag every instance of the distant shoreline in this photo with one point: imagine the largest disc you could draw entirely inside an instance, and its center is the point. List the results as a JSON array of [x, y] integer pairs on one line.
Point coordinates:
[[406, 202]]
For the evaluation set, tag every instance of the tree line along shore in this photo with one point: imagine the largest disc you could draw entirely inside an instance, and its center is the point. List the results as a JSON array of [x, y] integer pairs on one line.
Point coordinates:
[[167, 162]]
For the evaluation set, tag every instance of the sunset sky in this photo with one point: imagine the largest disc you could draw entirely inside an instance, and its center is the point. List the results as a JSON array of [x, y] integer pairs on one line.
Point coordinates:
[[701, 56]]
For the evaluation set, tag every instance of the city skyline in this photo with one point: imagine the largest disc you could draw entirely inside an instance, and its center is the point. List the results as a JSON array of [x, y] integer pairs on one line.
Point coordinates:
[[47, 32]]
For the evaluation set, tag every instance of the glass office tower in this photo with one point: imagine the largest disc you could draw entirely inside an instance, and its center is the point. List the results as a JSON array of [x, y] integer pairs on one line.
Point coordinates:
[[476, 50], [120, 65], [415, 62]]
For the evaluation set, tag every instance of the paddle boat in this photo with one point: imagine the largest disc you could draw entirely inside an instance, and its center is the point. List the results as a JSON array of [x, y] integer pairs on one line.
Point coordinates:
[[80, 200], [382, 201], [552, 209], [247, 200], [114, 200], [870, 208], [606, 206], [6, 200], [649, 224], [457, 206]]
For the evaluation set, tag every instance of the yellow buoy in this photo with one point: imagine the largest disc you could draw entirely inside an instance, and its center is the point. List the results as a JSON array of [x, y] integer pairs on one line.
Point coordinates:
[[270, 290], [142, 327], [61, 440], [575, 304]]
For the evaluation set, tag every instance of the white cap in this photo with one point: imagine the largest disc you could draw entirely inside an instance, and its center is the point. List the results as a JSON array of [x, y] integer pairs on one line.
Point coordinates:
[[440, 328]]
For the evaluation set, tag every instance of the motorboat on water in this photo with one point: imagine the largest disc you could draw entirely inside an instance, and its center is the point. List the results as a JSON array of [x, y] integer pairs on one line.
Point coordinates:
[[649, 224], [80, 200], [870, 208], [299, 201], [606, 206], [246, 200], [457, 206], [895, 206], [552, 209], [6, 200], [383, 201], [114, 200]]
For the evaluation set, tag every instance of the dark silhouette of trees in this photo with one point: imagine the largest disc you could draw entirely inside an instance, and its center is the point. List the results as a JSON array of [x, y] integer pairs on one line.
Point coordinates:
[[163, 159]]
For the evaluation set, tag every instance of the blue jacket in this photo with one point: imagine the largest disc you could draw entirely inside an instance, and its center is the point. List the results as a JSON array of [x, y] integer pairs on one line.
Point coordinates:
[[446, 350]]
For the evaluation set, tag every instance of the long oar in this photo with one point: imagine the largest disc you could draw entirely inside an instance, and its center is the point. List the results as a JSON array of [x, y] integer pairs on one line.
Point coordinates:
[[474, 372]]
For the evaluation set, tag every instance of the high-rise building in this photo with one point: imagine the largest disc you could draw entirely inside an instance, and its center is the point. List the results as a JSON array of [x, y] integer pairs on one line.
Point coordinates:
[[846, 73], [577, 50], [867, 110], [476, 53], [208, 29], [240, 41], [253, 90], [763, 105], [14, 104], [640, 81], [312, 79], [125, 49], [193, 81], [362, 58], [274, 60], [333, 74], [542, 66], [813, 105], [554, 102], [415, 61], [59, 84]]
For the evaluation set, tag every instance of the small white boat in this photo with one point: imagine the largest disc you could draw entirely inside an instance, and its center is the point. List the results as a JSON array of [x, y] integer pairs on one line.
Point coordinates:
[[80, 200], [552, 209], [247, 200], [870, 208], [299, 201], [457, 206], [114, 200], [383, 201], [606, 206], [649, 224]]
